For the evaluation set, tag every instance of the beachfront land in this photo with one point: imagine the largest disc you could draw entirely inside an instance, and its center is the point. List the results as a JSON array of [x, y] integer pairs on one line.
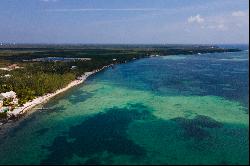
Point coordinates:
[[28, 72], [8, 101]]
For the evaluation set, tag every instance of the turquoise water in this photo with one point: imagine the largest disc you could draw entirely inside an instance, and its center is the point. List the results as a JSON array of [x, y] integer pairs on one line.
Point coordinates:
[[163, 110]]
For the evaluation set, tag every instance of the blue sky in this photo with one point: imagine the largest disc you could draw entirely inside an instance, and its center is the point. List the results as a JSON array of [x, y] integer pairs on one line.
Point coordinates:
[[124, 21]]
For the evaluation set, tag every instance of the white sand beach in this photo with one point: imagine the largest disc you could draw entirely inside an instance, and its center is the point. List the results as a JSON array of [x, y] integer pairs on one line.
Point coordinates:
[[42, 99]]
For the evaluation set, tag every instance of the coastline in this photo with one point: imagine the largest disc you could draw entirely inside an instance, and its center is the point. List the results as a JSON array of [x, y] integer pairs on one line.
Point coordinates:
[[19, 111], [43, 99]]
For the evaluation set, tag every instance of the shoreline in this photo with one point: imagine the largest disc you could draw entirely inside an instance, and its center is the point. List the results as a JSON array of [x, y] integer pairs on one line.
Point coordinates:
[[45, 98], [19, 111]]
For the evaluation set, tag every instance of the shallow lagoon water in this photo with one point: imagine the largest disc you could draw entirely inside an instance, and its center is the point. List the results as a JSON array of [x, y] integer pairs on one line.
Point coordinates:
[[185, 109]]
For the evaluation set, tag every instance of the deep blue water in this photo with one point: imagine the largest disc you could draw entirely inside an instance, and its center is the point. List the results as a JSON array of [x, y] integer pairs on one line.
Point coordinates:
[[219, 74], [185, 109]]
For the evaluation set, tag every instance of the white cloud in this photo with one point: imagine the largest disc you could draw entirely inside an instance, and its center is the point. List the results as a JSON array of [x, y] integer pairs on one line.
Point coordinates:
[[215, 23], [196, 19], [239, 14]]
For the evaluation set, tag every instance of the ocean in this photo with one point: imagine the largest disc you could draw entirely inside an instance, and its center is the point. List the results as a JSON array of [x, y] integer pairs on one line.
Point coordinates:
[[179, 109]]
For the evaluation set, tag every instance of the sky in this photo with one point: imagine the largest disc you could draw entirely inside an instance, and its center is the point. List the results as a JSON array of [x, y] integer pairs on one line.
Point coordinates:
[[125, 21]]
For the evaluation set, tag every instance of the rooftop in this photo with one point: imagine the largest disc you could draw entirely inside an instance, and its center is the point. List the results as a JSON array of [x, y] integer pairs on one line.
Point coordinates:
[[10, 94]]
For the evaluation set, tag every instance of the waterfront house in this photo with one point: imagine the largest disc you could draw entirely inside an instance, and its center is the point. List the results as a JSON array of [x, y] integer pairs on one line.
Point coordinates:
[[10, 96]]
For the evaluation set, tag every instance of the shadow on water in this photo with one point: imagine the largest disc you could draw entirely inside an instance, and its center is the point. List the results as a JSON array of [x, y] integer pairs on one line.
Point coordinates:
[[107, 132], [104, 132], [197, 127]]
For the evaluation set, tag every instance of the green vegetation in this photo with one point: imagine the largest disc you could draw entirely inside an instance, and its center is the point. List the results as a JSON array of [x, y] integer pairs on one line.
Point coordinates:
[[7, 102], [38, 78]]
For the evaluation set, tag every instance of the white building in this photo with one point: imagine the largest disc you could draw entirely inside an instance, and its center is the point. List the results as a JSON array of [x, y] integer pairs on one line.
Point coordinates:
[[10, 94]]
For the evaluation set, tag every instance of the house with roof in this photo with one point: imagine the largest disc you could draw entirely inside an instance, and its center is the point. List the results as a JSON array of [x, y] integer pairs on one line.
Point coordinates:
[[9, 97]]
